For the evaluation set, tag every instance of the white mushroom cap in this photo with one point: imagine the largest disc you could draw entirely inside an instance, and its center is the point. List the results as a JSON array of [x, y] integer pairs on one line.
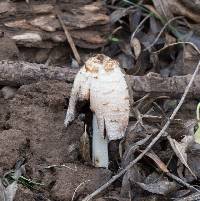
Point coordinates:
[[101, 81], [109, 99]]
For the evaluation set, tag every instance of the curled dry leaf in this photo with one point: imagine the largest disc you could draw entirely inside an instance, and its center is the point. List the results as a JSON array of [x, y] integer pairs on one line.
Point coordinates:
[[135, 44], [181, 148]]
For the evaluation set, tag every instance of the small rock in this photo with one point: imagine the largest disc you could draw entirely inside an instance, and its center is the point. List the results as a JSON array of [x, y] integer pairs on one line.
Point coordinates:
[[8, 92]]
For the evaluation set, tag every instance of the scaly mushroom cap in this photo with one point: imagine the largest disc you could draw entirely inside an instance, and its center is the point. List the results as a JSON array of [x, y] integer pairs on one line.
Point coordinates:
[[102, 82]]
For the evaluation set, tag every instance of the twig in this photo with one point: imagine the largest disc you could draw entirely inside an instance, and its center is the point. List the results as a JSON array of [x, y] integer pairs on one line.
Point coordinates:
[[161, 31], [116, 30], [114, 178], [137, 28], [59, 166], [158, 119], [136, 145], [193, 197], [69, 38], [141, 100], [78, 188], [180, 181], [173, 44]]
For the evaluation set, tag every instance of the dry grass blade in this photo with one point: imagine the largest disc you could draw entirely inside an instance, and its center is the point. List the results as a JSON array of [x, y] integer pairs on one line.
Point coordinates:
[[161, 31], [173, 44], [114, 178], [138, 27]]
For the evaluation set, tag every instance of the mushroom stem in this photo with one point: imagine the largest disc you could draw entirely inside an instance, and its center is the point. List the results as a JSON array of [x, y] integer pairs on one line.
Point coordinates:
[[99, 146]]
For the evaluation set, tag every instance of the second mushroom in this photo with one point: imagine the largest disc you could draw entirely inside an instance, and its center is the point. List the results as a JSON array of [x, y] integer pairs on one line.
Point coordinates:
[[101, 82]]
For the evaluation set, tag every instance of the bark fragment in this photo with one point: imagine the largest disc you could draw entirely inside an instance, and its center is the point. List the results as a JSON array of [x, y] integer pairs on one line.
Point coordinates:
[[41, 19]]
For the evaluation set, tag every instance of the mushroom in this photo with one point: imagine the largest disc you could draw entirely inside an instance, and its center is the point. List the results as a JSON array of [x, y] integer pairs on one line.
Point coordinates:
[[101, 82]]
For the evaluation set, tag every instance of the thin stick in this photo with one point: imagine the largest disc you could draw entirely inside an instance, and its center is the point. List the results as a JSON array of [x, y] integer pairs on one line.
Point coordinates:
[[173, 44], [59, 166], [69, 38], [161, 31], [137, 144], [114, 178], [78, 188], [137, 28]]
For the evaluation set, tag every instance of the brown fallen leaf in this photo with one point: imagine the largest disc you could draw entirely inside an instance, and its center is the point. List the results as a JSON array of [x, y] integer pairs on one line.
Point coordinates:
[[163, 187], [158, 162], [180, 150]]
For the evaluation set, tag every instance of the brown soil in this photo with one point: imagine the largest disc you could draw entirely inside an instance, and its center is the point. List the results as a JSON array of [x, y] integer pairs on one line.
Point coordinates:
[[31, 127]]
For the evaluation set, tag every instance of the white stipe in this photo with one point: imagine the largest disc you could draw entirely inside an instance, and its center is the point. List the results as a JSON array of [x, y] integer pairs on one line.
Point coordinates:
[[99, 147]]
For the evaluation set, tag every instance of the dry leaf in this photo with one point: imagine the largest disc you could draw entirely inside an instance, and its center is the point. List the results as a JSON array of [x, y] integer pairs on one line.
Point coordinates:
[[135, 44], [161, 187], [180, 150], [158, 162], [85, 146]]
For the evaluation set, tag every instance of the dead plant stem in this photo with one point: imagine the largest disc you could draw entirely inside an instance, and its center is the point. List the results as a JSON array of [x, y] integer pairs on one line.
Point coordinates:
[[68, 36]]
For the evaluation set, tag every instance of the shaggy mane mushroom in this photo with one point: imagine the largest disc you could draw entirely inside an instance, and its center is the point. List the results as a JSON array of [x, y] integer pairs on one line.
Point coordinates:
[[101, 82]]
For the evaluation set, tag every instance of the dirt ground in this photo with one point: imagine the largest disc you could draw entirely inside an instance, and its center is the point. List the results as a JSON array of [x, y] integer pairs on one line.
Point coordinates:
[[32, 128]]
